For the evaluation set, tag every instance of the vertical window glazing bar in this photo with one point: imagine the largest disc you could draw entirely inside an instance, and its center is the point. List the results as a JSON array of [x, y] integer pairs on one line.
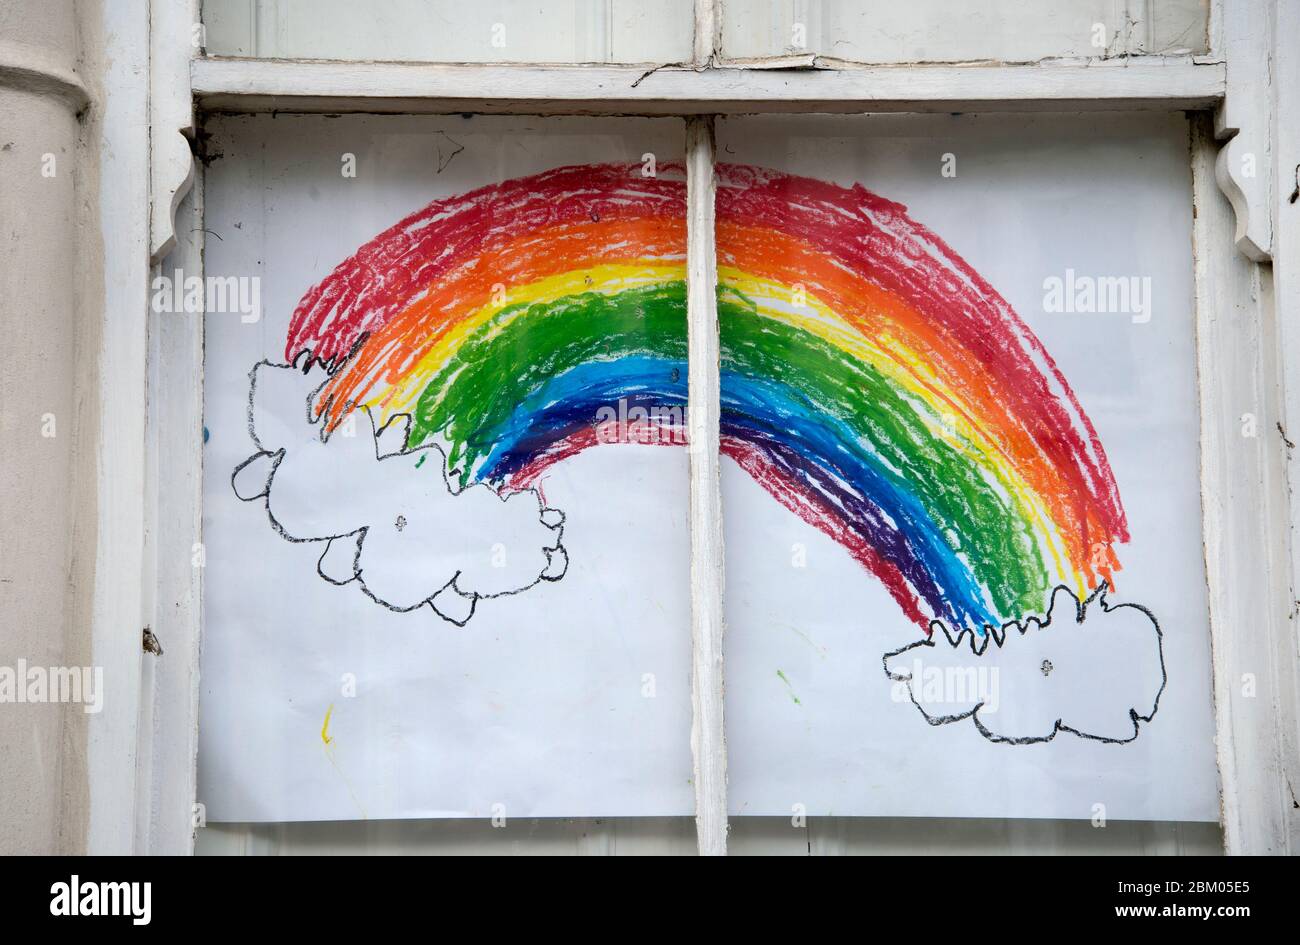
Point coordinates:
[[707, 736], [708, 31]]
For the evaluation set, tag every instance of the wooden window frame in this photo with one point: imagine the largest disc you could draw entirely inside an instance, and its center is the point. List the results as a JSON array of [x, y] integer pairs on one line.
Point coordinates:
[[1247, 330]]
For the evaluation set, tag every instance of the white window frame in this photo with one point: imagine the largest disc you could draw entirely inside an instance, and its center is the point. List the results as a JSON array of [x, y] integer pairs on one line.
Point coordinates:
[[1247, 279]]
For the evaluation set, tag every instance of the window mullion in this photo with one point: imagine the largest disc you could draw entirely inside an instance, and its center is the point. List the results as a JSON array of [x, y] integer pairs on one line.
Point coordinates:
[[707, 736]]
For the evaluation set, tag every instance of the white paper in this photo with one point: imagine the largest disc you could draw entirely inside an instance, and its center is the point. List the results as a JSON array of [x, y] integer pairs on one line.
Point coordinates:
[[570, 697], [813, 723]]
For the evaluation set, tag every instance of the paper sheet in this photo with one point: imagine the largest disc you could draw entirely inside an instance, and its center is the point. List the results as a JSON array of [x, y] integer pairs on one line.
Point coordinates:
[[447, 565]]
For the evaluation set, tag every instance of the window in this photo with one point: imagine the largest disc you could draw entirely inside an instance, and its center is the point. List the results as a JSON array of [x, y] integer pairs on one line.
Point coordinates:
[[999, 200]]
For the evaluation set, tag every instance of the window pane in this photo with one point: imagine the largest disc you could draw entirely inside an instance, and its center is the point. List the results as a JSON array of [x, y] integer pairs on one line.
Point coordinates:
[[958, 385], [452, 30], [943, 31], [496, 296]]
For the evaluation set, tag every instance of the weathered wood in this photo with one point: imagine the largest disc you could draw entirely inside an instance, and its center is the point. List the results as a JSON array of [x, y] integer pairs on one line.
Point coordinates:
[[708, 740], [1243, 489], [307, 86], [174, 557], [172, 42]]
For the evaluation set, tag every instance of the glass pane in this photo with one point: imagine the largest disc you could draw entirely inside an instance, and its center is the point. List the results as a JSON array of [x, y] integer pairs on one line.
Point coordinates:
[[885, 31], [961, 487], [609, 31], [426, 593]]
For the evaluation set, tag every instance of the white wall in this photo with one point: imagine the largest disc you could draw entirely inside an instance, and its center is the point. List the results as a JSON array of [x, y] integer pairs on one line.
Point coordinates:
[[47, 511]]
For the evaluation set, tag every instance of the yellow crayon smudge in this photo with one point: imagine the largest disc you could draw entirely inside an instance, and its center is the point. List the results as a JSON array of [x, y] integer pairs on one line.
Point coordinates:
[[325, 729]]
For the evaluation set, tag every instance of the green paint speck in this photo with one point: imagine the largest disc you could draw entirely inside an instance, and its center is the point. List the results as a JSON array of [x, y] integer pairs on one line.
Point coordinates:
[[420, 462], [785, 680]]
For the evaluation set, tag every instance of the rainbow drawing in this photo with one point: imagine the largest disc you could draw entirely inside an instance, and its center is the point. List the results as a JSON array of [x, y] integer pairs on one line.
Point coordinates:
[[872, 382]]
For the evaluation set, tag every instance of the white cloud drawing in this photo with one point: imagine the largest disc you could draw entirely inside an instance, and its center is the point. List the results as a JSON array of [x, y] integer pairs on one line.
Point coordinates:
[[388, 515], [1091, 668]]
